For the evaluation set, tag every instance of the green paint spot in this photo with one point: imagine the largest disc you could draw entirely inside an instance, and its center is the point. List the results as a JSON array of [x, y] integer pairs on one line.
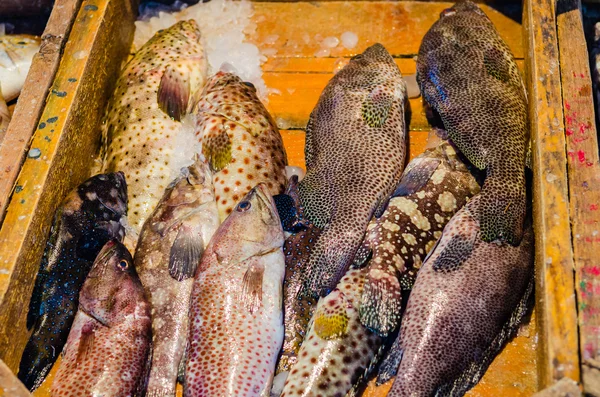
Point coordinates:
[[47, 138], [22, 201], [51, 130], [582, 285], [42, 126], [60, 94], [52, 119], [90, 7], [72, 80], [18, 189], [582, 306]]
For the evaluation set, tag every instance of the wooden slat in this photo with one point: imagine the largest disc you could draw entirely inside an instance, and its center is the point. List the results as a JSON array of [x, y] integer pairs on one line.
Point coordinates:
[[10, 385], [32, 98], [555, 306], [584, 184], [67, 139]]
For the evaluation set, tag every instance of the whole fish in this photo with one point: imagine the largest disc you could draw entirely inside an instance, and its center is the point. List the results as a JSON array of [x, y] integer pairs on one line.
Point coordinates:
[[355, 150], [4, 117], [16, 54], [108, 346], [167, 256], [338, 348], [468, 300], [433, 187], [470, 78], [142, 132], [87, 219], [236, 324], [240, 140]]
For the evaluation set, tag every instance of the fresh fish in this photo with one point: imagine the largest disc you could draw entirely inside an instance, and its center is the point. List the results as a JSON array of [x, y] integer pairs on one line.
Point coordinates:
[[168, 253], [142, 128], [433, 187], [236, 323], [468, 300], [470, 78], [240, 140], [355, 150], [108, 346], [338, 348], [4, 117], [87, 219], [16, 54]]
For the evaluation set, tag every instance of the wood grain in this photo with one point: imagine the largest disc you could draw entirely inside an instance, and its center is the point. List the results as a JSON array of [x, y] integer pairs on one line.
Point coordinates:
[[10, 385], [555, 300], [584, 183], [67, 138]]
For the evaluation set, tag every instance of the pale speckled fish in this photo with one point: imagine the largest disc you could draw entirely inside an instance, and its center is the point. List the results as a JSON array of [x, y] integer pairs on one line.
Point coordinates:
[[108, 346], [355, 150], [240, 140], [16, 54], [167, 256], [142, 125], [236, 319], [338, 348], [4, 117], [467, 302], [469, 76], [433, 187]]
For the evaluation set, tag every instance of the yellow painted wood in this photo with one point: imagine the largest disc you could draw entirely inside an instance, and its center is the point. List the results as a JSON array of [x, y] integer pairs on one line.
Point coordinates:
[[555, 306]]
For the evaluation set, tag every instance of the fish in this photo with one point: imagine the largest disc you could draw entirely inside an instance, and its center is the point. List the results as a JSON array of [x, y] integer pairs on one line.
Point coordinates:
[[469, 298], [170, 247], [142, 133], [108, 346], [469, 77], [433, 187], [4, 117], [355, 151], [16, 55], [240, 140], [87, 219], [236, 320], [338, 349]]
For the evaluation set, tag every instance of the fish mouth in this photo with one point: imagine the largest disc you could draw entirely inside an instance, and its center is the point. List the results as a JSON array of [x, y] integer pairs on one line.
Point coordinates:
[[266, 202], [109, 248]]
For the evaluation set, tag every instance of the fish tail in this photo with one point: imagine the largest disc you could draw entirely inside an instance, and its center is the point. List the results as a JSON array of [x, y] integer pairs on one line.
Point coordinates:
[[503, 204], [381, 300], [38, 358]]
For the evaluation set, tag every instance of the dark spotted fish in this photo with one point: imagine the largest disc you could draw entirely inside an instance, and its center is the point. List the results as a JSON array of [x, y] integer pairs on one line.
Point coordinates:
[[468, 300], [338, 348], [236, 323], [470, 78], [108, 346], [433, 187], [170, 247], [355, 150], [87, 219]]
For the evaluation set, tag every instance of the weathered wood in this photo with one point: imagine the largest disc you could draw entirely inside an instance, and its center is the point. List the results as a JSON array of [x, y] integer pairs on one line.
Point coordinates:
[[555, 306], [563, 388], [584, 180], [63, 149], [10, 385], [32, 98]]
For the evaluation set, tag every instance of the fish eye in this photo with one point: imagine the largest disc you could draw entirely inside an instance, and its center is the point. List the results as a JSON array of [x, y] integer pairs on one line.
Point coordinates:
[[244, 206], [249, 84], [123, 264], [356, 57]]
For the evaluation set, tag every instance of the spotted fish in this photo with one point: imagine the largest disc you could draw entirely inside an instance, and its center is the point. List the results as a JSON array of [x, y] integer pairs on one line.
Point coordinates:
[[168, 253], [240, 140], [338, 348], [142, 130], [236, 323], [4, 117], [468, 300], [433, 187], [470, 78], [16, 55], [88, 218], [108, 346], [355, 150]]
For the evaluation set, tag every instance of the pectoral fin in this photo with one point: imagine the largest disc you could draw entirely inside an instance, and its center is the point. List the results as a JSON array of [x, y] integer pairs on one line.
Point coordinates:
[[252, 286], [216, 146], [331, 319], [376, 107], [174, 93], [185, 253], [454, 254], [417, 176], [86, 342]]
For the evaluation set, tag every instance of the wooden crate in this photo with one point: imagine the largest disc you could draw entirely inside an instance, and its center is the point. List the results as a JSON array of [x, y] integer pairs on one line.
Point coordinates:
[[546, 349]]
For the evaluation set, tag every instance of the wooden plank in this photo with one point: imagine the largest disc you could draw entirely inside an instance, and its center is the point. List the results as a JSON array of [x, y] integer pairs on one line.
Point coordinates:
[[32, 98], [66, 138], [10, 385], [284, 29], [584, 183], [555, 303]]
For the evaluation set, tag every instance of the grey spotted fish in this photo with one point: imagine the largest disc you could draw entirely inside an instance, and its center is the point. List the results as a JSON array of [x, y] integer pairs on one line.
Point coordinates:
[[433, 187], [240, 140], [338, 348], [87, 219], [142, 131], [108, 346], [236, 320], [169, 250], [469, 298], [470, 78], [355, 151]]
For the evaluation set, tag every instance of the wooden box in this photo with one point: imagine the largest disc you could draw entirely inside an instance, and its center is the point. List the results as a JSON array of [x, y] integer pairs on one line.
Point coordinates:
[[60, 111]]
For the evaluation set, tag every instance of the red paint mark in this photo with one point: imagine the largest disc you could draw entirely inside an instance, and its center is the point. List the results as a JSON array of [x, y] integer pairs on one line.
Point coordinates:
[[574, 74], [589, 163], [590, 222], [579, 140], [571, 155], [569, 119], [582, 75], [593, 207], [567, 106], [581, 156], [583, 127], [594, 270], [569, 131]]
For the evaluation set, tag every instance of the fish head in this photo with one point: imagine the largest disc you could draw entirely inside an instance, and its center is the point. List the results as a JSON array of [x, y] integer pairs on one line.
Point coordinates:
[[109, 191], [193, 186], [373, 65], [226, 87], [188, 28], [465, 6], [112, 286]]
